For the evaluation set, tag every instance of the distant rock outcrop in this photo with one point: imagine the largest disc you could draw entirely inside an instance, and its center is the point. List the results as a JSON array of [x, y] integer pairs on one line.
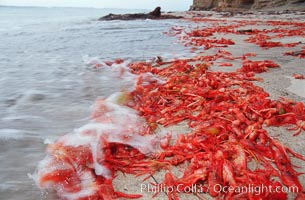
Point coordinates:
[[155, 14], [248, 4]]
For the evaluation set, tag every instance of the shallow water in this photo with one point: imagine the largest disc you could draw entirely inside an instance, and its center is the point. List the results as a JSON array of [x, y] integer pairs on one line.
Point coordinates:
[[46, 85]]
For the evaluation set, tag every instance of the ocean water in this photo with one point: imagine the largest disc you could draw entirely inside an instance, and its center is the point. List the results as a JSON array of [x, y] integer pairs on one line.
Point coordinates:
[[47, 86]]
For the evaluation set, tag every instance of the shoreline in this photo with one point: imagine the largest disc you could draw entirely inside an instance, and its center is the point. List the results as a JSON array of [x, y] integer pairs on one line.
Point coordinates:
[[276, 81]]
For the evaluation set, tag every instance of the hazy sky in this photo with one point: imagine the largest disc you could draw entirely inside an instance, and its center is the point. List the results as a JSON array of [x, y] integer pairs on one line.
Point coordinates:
[[140, 4]]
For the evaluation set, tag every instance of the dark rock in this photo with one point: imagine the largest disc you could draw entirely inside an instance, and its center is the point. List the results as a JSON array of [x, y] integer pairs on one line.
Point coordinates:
[[155, 14]]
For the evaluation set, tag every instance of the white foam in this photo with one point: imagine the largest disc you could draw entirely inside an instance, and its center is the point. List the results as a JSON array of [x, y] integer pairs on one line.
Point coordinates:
[[49, 140], [88, 187], [90, 61], [111, 123], [8, 134], [21, 117]]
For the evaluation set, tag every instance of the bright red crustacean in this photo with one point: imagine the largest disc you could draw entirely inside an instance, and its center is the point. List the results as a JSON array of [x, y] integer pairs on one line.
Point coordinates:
[[299, 76], [227, 144]]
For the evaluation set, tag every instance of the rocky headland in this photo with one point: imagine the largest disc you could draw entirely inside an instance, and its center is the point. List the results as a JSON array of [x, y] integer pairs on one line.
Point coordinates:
[[233, 5]]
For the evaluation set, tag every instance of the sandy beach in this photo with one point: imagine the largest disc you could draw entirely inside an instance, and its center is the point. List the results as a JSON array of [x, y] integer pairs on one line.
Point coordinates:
[[231, 50], [278, 82]]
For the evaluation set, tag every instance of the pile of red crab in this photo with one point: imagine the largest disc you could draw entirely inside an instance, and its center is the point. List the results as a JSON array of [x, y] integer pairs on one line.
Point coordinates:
[[227, 115], [300, 54]]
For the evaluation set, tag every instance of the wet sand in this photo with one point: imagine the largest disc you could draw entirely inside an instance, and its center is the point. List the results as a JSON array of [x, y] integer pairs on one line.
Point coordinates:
[[278, 82]]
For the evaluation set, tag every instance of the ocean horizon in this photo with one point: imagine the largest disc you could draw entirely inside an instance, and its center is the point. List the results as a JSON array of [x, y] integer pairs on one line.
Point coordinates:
[[128, 10]]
